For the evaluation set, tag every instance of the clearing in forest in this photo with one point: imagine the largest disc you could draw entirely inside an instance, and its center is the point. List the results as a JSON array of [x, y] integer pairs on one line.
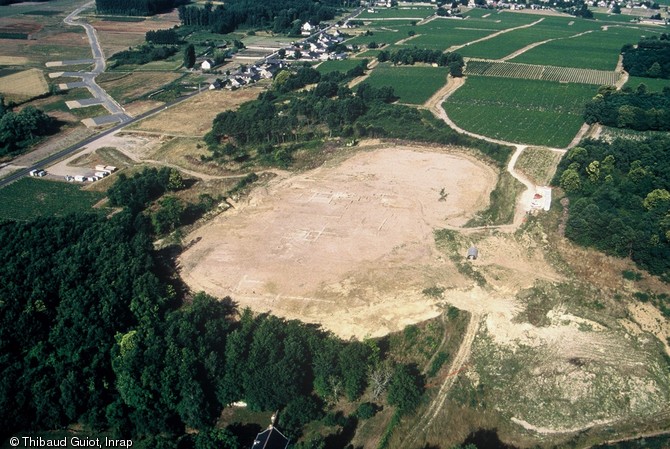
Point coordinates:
[[349, 246]]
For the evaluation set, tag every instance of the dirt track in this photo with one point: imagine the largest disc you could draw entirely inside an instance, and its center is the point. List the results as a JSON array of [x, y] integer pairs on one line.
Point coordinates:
[[457, 364]]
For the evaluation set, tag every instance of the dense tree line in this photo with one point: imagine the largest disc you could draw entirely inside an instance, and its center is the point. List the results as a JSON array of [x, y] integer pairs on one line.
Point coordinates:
[[93, 331], [69, 285], [142, 55], [20, 130], [410, 56], [136, 7], [272, 126], [10, 2], [282, 16], [639, 110], [163, 37], [650, 58], [620, 199]]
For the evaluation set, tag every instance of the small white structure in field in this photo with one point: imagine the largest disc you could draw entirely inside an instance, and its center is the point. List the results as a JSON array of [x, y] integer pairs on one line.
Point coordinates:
[[541, 199], [207, 64]]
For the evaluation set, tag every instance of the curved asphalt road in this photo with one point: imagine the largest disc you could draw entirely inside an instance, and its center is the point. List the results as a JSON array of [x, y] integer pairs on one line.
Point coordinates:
[[89, 77]]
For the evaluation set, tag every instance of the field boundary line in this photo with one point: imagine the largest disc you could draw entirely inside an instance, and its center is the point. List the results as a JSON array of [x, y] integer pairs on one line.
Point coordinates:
[[537, 44], [491, 36]]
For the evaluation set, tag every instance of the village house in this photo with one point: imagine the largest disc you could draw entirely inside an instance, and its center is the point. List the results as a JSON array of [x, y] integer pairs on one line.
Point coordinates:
[[307, 29]]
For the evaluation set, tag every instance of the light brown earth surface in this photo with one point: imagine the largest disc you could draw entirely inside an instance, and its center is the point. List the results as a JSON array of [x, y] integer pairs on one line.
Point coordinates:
[[349, 245], [194, 117]]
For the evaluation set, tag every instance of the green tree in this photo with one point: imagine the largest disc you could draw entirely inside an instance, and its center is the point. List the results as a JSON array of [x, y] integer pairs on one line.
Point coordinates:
[[175, 180], [168, 217], [405, 388], [570, 181], [657, 198], [655, 70], [189, 56]]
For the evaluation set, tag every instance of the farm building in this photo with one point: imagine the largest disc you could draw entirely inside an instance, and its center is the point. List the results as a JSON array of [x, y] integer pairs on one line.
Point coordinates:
[[207, 64], [473, 253], [270, 438]]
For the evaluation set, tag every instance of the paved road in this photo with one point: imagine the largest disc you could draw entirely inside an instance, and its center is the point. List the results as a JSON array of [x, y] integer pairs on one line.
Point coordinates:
[[89, 77], [71, 149]]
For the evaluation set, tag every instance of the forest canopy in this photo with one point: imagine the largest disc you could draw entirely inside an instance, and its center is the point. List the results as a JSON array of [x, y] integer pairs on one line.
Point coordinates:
[[136, 7], [639, 110], [650, 58], [620, 199], [281, 16], [20, 130]]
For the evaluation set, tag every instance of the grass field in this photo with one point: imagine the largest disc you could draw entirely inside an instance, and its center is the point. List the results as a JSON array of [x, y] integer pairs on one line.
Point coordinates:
[[538, 164], [24, 85], [653, 84], [334, 66], [596, 50], [30, 198], [126, 87], [194, 116], [522, 111], [414, 85]]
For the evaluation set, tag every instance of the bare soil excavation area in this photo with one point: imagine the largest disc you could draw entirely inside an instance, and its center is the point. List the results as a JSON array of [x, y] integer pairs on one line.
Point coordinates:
[[348, 245]]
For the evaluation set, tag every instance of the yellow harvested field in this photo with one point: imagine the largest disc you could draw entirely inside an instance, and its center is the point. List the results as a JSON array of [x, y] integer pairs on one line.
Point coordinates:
[[23, 85], [13, 60], [194, 117]]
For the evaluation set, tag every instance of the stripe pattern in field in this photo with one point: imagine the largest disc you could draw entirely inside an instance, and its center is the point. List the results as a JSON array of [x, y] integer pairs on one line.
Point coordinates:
[[483, 67]]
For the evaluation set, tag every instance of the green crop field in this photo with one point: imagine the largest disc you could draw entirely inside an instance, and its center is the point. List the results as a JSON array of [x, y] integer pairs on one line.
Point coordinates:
[[414, 85], [387, 36], [509, 42], [334, 66], [540, 72], [596, 50], [447, 34], [29, 198], [653, 84], [413, 12], [498, 20], [523, 111]]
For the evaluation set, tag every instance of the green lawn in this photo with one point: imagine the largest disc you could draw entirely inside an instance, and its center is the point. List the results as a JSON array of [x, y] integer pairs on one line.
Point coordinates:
[[30, 198], [522, 111], [414, 85], [596, 50]]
